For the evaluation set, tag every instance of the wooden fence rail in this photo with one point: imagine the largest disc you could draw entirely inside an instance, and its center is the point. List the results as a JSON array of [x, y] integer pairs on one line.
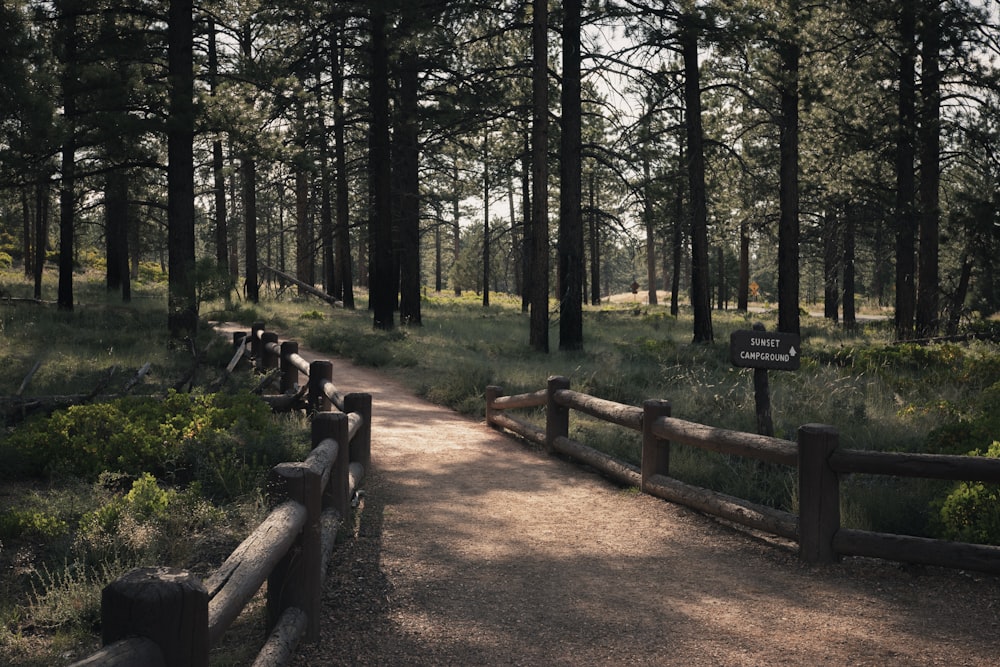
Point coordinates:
[[164, 616], [816, 457]]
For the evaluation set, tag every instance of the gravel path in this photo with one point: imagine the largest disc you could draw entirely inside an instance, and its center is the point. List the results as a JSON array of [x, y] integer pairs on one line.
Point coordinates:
[[471, 548]]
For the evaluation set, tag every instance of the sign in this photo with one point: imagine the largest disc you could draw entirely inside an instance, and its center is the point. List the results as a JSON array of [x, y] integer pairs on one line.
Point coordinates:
[[764, 349]]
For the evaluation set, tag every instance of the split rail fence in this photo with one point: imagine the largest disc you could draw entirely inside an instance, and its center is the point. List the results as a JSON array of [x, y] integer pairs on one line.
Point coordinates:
[[165, 616], [816, 456]]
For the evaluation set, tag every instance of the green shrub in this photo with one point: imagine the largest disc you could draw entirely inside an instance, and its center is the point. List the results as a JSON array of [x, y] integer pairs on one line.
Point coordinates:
[[209, 438], [16, 524], [972, 427], [971, 512]]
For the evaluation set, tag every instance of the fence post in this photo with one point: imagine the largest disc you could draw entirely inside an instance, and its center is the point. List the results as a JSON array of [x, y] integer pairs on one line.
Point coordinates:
[[819, 494], [336, 426], [493, 392], [320, 372], [655, 450], [255, 330], [361, 445], [556, 416], [297, 579], [165, 605], [267, 360], [289, 371]]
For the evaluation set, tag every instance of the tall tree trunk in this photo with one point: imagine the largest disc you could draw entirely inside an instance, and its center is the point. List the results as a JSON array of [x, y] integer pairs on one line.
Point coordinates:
[[438, 259], [383, 294], [906, 223], [67, 195], [957, 305], [723, 291], [456, 227], [595, 244], [701, 299], [345, 278], [515, 236], [27, 248], [41, 233], [831, 267], [116, 234], [303, 226], [648, 223], [408, 164], [528, 237], [850, 225], [326, 222], [788, 191], [182, 310], [929, 135], [677, 243], [218, 168], [486, 217], [539, 324], [248, 168], [571, 186], [743, 300]]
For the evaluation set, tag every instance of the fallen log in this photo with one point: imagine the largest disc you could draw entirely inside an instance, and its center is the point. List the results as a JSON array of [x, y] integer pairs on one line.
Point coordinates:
[[306, 287], [27, 378]]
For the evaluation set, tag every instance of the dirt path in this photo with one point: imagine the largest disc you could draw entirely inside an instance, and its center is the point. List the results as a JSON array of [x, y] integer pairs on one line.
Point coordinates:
[[473, 549]]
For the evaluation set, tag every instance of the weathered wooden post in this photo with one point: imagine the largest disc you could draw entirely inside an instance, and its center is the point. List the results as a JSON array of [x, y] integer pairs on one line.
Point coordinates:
[[296, 581], [165, 605], [655, 450], [255, 331], [493, 392], [268, 359], [335, 426], [289, 371], [361, 445], [819, 494], [556, 416], [320, 372]]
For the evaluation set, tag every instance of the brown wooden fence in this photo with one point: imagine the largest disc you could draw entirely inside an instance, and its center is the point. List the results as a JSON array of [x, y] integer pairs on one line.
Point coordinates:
[[164, 616], [816, 456]]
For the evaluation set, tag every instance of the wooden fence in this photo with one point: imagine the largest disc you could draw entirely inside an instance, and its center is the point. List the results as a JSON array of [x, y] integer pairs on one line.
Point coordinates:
[[164, 616], [816, 456]]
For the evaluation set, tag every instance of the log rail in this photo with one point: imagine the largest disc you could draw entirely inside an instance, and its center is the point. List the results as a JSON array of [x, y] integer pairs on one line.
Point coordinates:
[[815, 456], [165, 616]]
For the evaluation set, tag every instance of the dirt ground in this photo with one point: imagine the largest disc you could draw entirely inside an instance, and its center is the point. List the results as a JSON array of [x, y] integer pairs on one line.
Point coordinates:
[[471, 548]]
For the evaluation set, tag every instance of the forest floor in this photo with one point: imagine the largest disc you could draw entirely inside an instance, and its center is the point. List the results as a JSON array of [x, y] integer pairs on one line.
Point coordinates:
[[472, 548]]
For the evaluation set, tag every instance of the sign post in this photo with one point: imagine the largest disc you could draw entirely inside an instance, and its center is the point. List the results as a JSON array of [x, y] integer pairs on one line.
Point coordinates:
[[762, 350]]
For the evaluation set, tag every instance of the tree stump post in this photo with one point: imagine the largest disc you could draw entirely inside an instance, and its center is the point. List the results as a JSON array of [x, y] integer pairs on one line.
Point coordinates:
[[493, 392], [297, 579], [165, 605], [320, 372], [361, 445], [255, 331], [268, 359], [556, 416], [335, 425], [289, 371], [655, 450], [819, 494]]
